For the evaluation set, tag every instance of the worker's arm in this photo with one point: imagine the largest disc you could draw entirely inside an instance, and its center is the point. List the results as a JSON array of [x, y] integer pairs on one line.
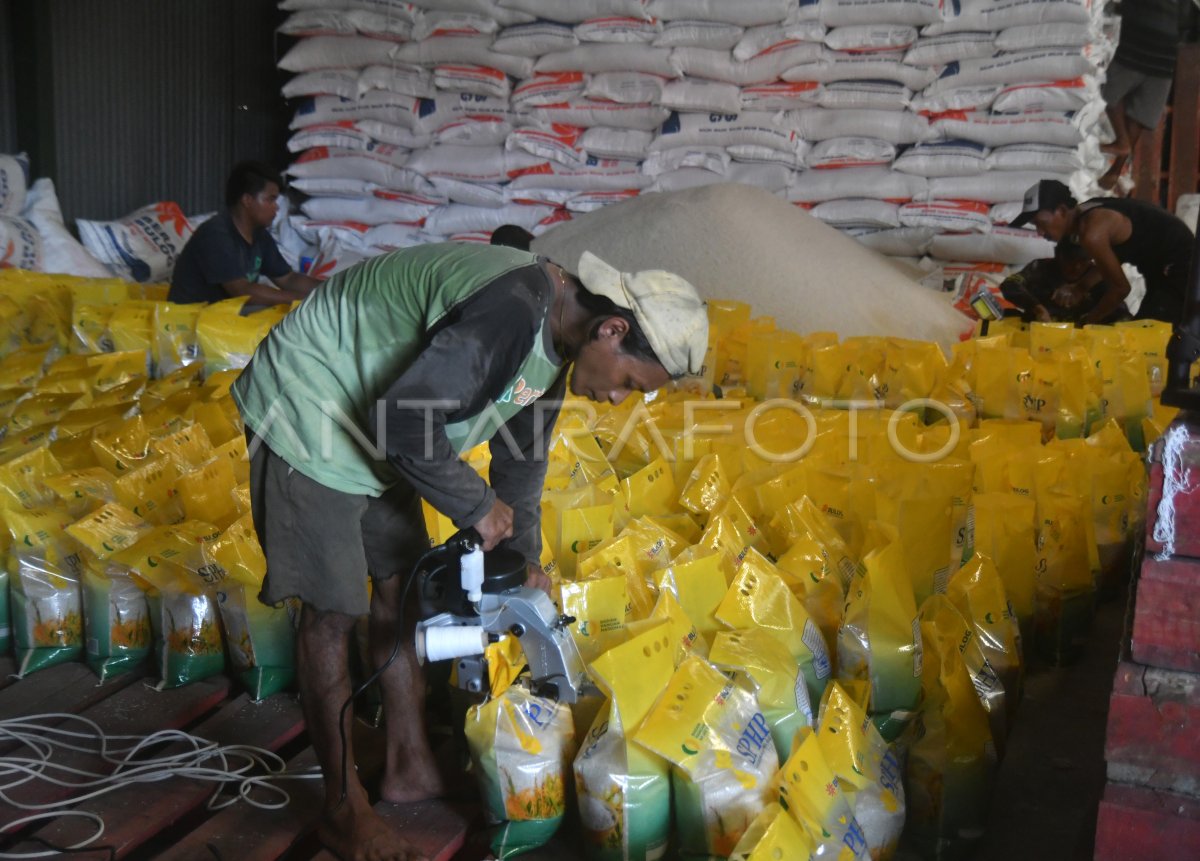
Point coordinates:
[[1097, 241], [1017, 288], [297, 283], [260, 294]]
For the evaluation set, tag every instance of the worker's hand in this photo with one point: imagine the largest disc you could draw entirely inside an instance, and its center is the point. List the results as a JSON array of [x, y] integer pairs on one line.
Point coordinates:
[[1041, 315], [536, 578], [496, 525], [1068, 296]]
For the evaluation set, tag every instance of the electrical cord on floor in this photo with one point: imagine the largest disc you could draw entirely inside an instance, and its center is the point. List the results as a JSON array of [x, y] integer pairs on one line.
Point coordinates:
[[249, 769], [400, 635]]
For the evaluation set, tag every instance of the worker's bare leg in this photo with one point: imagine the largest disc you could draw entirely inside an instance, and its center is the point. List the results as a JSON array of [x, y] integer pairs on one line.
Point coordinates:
[[349, 827], [1121, 144], [1130, 134], [410, 772]]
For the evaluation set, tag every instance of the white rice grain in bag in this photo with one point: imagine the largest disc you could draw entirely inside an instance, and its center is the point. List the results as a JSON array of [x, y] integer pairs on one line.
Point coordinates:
[[762, 69], [713, 159], [533, 40], [1060, 96], [547, 89], [722, 130], [332, 186], [1009, 245], [326, 82], [402, 78], [465, 163], [1000, 129], [471, 193], [616, 143], [559, 143], [868, 95], [1002, 14], [1015, 68], [851, 152], [937, 51], [541, 196], [685, 178], [877, 66], [856, 213], [744, 13], [472, 50], [474, 131], [396, 135], [637, 31], [608, 58], [692, 94], [592, 112], [897, 127], [781, 95], [380, 25], [590, 201], [876, 183], [754, 154], [477, 80], [626, 88], [960, 99], [142, 246], [839, 13], [335, 52], [1027, 36], [943, 158], [318, 22], [1043, 158], [379, 105], [573, 12], [595, 175], [699, 34], [757, 40], [963, 216], [368, 210], [452, 22], [871, 37]]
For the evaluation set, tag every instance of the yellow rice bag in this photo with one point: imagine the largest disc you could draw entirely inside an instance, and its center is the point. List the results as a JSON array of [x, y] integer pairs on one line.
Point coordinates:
[[810, 791], [773, 835], [151, 491], [109, 530]]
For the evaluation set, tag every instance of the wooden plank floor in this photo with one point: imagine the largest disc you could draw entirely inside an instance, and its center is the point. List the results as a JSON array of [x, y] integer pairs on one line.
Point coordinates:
[[170, 819]]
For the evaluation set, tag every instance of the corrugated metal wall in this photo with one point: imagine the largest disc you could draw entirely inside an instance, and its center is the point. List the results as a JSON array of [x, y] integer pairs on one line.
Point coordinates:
[[154, 100], [8, 93]]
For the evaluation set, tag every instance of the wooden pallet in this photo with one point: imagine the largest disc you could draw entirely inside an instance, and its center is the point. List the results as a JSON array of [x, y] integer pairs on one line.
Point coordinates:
[[169, 820]]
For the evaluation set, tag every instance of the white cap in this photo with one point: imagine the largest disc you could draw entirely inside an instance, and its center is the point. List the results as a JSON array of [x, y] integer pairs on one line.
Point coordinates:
[[666, 307]]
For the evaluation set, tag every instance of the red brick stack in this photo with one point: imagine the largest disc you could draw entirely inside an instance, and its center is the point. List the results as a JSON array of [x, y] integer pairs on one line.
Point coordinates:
[[1151, 806]]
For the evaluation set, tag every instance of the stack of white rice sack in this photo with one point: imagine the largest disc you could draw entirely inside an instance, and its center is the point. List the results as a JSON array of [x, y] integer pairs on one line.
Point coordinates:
[[915, 125]]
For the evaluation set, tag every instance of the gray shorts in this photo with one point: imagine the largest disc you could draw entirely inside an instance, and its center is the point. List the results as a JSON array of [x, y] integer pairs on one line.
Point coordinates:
[[321, 544], [1145, 96]]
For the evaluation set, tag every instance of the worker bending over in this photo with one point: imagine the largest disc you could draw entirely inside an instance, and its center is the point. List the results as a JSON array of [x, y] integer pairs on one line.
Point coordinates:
[[1066, 287]]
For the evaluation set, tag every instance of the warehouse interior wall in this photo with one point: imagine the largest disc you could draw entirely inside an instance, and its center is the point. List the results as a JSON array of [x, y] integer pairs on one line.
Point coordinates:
[[8, 92], [128, 102]]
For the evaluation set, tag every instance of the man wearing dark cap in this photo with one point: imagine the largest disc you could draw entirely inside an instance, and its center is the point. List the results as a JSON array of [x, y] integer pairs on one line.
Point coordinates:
[[1114, 231]]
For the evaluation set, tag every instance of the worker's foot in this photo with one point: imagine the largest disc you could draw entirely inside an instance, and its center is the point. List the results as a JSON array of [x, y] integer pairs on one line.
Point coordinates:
[[418, 780], [1113, 175], [1114, 148], [358, 833]]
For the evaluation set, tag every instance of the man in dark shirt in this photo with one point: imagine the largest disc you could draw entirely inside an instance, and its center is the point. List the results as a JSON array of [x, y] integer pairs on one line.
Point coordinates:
[[232, 252], [1138, 80], [1114, 231], [1065, 287]]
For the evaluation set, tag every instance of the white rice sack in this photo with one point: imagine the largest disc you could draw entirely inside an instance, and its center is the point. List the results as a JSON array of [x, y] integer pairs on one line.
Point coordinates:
[[1041, 158], [699, 34], [547, 89], [722, 130], [1014, 68], [949, 48], [608, 58], [765, 68], [451, 22], [327, 82], [382, 105], [403, 78], [851, 152], [595, 175], [559, 143], [758, 40], [898, 242], [332, 186], [1027, 36], [474, 131], [366, 210], [476, 80], [533, 40], [1001, 14], [464, 163], [142, 246], [319, 22], [1004, 213], [840, 13], [21, 244], [713, 159], [851, 213], [875, 183], [588, 112], [335, 52], [621, 30], [818, 124], [694, 94], [396, 135], [781, 95], [787, 264], [769, 177], [1009, 245], [871, 37], [879, 66], [1060, 96], [13, 183], [374, 166], [685, 178], [61, 252], [962, 216], [450, 106], [590, 201], [990, 186], [944, 158], [615, 143], [390, 237], [504, 15], [471, 193], [628, 88], [575, 12], [744, 13], [380, 25], [336, 256], [398, 9], [544, 196], [960, 99], [1000, 129], [459, 218], [754, 154], [472, 50], [868, 95]]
